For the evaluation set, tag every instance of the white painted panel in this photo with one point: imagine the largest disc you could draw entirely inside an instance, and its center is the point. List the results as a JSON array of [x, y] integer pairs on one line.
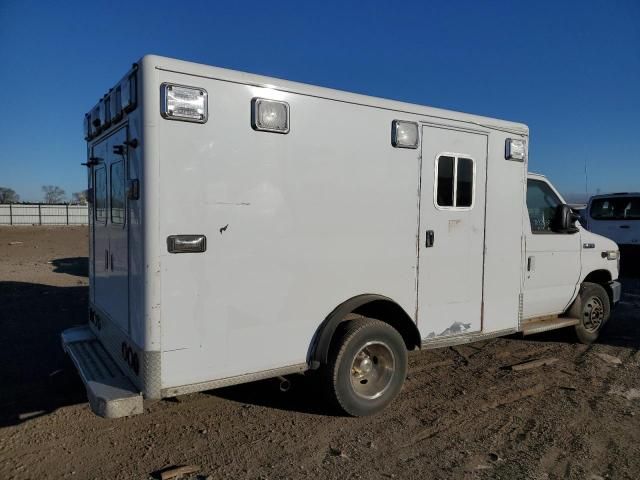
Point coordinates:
[[552, 269], [504, 245], [450, 275], [308, 220], [552, 282]]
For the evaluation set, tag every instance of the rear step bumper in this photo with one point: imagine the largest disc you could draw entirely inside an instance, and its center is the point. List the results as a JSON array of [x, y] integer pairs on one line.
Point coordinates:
[[111, 394]]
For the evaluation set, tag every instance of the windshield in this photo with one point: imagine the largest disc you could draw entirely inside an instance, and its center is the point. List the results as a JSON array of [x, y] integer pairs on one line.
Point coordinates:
[[616, 208]]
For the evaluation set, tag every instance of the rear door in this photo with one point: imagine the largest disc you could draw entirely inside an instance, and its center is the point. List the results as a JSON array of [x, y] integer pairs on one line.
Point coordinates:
[[451, 248], [111, 259], [100, 228]]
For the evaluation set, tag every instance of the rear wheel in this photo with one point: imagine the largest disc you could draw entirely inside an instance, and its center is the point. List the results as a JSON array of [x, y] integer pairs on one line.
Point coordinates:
[[593, 311], [367, 367]]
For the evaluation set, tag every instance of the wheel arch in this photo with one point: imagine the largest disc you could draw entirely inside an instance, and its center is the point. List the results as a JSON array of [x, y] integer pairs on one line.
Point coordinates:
[[602, 277], [367, 305]]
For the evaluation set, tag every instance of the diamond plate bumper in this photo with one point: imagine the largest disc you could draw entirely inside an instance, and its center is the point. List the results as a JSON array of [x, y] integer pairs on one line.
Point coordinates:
[[111, 394]]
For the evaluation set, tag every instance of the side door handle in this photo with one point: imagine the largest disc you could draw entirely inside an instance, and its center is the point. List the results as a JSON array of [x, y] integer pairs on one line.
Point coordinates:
[[531, 264], [429, 238]]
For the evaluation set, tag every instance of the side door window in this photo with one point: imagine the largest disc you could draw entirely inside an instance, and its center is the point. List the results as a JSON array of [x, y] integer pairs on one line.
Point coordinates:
[[542, 203], [455, 182], [100, 189], [117, 193]]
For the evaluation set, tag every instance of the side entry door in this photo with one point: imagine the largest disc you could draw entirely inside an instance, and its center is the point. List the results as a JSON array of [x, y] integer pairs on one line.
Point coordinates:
[[451, 237], [110, 256], [552, 265]]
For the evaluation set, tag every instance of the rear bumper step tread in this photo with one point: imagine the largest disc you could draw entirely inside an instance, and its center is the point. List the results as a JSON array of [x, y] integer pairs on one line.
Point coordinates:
[[111, 394]]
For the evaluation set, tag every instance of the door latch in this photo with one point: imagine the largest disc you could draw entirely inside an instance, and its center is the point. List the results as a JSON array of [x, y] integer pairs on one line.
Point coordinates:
[[429, 238], [133, 189], [531, 264]]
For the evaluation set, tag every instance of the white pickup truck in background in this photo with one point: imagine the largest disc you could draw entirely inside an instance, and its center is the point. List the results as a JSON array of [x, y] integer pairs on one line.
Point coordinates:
[[617, 216]]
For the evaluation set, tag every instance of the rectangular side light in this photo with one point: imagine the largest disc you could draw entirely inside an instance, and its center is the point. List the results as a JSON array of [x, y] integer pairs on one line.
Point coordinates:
[[186, 243], [269, 115], [179, 102], [514, 149], [404, 134]]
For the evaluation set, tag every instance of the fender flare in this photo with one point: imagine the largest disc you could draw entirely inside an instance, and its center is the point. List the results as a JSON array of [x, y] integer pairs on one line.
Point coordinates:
[[319, 352]]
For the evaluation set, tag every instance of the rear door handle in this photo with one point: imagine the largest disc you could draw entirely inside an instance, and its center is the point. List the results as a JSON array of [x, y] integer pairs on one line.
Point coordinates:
[[624, 226], [429, 238], [531, 264]]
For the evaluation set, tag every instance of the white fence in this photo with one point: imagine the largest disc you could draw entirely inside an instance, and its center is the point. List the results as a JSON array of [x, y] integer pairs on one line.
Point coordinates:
[[44, 214]]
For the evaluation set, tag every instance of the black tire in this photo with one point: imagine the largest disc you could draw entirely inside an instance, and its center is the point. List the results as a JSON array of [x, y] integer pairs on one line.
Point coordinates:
[[593, 308], [367, 366]]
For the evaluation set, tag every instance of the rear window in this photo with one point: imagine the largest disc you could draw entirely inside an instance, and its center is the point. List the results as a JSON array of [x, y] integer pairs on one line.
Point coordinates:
[[615, 208]]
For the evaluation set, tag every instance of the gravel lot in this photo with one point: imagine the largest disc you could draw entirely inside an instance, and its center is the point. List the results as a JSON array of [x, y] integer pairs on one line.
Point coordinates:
[[462, 414]]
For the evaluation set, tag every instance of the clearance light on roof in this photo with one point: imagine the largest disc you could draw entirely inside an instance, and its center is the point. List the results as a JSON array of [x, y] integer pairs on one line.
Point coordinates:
[[112, 107], [95, 119], [404, 134], [514, 149], [269, 115], [128, 93], [188, 104], [105, 111], [87, 126], [115, 104]]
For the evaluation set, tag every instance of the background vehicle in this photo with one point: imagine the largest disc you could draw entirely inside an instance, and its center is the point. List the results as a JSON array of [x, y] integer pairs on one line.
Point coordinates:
[[246, 227], [617, 216]]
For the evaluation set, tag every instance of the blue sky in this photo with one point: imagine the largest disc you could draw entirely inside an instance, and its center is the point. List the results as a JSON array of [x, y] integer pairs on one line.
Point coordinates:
[[568, 69]]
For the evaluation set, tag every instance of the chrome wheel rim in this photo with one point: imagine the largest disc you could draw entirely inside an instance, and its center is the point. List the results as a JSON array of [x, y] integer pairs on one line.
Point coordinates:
[[372, 370], [593, 314]]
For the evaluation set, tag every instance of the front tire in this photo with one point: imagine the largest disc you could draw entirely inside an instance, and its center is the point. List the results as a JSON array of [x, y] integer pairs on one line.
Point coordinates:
[[367, 366], [593, 312]]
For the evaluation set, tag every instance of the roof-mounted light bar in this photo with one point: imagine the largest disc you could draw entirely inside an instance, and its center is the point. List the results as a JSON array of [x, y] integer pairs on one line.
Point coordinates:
[[112, 107]]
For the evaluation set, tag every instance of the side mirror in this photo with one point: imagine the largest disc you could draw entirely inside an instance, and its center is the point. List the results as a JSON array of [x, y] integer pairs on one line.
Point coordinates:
[[565, 221]]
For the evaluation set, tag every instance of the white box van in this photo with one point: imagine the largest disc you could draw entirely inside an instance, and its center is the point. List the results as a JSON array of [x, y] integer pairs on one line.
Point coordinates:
[[617, 216], [245, 227]]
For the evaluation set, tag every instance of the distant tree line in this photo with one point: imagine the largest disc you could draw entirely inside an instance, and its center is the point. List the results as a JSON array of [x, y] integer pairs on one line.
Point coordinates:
[[51, 194]]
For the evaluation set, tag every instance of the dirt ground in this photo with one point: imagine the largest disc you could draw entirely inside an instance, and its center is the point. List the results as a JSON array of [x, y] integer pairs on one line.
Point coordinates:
[[462, 413]]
